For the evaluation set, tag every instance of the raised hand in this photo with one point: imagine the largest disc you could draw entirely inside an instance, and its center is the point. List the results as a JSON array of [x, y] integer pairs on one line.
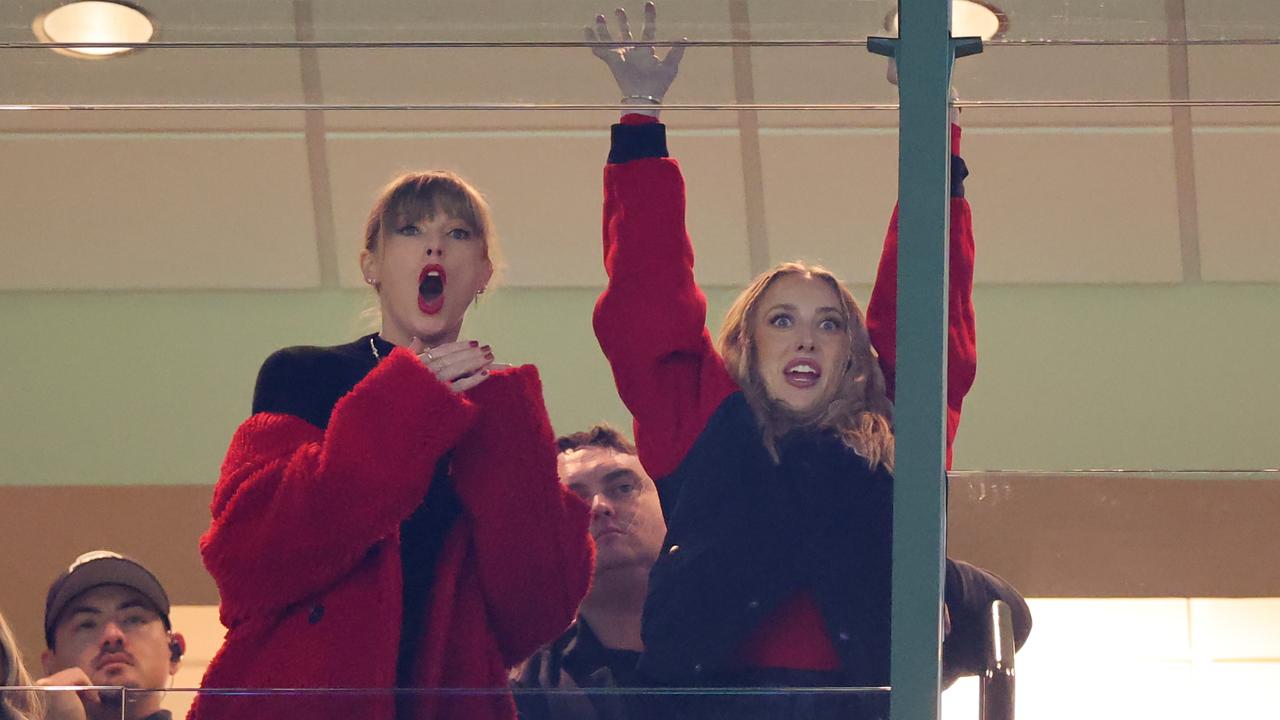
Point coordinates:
[[642, 77], [460, 365]]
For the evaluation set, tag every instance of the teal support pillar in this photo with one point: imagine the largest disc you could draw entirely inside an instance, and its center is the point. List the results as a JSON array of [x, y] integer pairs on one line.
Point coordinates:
[[925, 53]]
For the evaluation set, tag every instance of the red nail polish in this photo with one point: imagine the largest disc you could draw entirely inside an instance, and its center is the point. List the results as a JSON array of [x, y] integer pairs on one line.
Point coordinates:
[[484, 372], [486, 348], [474, 343]]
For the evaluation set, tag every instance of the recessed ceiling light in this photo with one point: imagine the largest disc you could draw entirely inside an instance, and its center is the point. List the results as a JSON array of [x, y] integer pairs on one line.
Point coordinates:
[[969, 18], [94, 21]]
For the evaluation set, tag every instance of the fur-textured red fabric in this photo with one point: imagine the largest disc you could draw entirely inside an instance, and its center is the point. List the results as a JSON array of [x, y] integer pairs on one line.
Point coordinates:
[[305, 548], [962, 336]]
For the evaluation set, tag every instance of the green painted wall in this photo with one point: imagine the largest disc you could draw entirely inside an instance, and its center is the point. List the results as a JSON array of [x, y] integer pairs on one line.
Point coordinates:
[[117, 388]]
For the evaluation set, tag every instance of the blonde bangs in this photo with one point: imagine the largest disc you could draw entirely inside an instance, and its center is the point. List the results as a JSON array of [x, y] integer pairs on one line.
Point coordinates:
[[429, 198], [414, 196]]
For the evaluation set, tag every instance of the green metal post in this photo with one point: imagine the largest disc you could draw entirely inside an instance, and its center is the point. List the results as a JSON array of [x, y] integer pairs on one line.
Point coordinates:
[[924, 55]]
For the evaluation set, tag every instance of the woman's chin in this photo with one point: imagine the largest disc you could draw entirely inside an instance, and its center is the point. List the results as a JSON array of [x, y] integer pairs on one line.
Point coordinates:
[[432, 329], [791, 403]]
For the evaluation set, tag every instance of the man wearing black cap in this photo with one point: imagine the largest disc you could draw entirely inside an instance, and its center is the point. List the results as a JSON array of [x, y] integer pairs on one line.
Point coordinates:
[[106, 623]]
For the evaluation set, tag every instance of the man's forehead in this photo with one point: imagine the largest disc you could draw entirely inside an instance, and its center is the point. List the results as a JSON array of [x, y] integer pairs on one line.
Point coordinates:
[[109, 597], [594, 463]]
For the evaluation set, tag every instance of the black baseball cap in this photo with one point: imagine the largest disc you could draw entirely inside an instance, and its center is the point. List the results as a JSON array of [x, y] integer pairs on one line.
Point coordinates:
[[96, 568]]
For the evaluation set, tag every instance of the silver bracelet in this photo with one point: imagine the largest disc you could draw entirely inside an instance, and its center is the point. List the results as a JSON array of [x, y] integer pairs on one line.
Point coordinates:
[[646, 98]]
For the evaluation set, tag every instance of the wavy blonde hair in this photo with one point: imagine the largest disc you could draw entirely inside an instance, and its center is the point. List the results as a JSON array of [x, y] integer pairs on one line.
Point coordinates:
[[16, 704], [858, 410]]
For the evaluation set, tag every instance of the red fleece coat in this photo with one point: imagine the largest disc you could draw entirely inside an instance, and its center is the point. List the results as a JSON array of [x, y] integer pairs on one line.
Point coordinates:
[[305, 548]]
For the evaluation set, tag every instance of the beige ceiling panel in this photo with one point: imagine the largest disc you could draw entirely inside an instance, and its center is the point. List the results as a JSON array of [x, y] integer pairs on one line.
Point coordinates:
[[462, 77], [712, 165], [546, 196], [824, 76], [1237, 183], [99, 211], [1105, 214], [158, 76], [817, 19], [1074, 205], [1065, 20], [1222, 74], [499, 21], [1035, 78], [1095, 80], [178, 20], [829, 195], [1234, 20]]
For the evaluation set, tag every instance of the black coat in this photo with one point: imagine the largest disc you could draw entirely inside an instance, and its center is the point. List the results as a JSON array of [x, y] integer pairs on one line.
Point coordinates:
[[746, 533]]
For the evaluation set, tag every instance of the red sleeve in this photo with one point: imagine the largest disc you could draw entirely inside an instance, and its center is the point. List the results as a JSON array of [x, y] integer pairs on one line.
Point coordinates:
[[290, 493], [533, 550], [651, 319], [962, 348]]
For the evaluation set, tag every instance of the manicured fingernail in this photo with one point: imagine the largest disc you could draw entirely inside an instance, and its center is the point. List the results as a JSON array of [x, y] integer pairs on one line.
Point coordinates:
[[488, 356], [484, 372], [486, 348], [474, 343]]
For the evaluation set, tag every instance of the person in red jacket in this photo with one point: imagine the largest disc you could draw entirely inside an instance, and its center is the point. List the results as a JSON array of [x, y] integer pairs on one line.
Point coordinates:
[[390, 517], [773, 448]]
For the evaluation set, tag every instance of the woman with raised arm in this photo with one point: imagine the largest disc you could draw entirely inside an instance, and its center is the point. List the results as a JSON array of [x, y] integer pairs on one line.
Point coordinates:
[[773, 448], [389, 518]]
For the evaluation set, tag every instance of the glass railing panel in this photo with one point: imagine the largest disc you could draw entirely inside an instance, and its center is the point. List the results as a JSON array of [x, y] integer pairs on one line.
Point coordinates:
[[484, 22], [1123, 273], [1136, 21], [380, 79], [1150, 578], [495, 22], [805, 21], [1117, 84], [564, 704]]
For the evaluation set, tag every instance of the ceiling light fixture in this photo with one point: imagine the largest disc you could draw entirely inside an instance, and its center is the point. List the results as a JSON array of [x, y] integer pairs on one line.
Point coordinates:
[[94, 21], [969, 18]]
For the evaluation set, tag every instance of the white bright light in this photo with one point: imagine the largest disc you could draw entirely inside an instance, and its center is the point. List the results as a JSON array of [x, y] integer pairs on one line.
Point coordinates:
[[968, 19], [94, 21]]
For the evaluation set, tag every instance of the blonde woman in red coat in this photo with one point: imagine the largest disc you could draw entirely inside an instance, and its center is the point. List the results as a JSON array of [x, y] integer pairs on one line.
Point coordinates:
[[389, 518]]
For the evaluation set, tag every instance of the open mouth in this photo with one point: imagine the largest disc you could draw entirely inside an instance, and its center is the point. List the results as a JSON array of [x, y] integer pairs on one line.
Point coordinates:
[[802, 373], [431, 289]]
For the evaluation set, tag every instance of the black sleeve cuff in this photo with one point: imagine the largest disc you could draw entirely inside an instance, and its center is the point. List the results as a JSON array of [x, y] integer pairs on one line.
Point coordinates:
[[969, 593], [959, 171], [634, 142]]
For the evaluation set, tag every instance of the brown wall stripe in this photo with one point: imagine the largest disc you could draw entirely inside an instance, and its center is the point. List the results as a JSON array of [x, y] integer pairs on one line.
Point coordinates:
[[1051, 535]]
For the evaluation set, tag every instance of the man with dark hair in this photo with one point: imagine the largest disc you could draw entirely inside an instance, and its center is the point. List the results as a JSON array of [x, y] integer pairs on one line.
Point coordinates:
[[106, 623], [602, 647], [599, 436]]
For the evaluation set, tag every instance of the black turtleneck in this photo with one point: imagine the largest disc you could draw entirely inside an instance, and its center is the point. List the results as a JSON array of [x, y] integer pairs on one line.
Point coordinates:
[[318, 377]]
